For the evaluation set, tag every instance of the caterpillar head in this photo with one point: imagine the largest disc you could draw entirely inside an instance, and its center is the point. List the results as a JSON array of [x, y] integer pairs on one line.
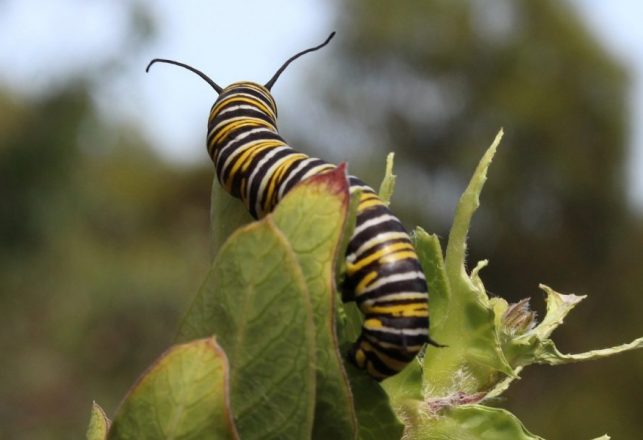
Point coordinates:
[[220, 90], [245, 99]]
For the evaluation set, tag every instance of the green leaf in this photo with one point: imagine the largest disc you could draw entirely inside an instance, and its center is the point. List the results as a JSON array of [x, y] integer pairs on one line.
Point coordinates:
[[349, 227], [313, 217], [377, 421], [549, 354], [226, 215], [535, 346], [98, 423], [406, 385], [350, 323], [183, 395], [256, 301], [429, 253], [471, 422], [558, 307], [349, 318], [468, 204], [463, 316], [388, 183]]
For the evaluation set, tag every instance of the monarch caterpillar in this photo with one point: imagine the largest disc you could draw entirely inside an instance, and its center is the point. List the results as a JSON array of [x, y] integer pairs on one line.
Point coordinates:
[[383, 274]]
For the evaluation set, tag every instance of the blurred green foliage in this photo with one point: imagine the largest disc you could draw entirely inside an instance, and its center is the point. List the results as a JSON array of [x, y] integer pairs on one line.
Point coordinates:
[[432, 78], [103, 245]]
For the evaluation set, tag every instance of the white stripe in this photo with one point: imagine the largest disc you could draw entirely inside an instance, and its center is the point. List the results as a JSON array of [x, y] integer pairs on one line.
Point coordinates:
[[292, 173], [240, 137], [239, 107], [417, 331], [258, 166], [266, 179], [237, 118], [363, 188], [392, 279], [226, 121], [311, 172], [394, 296], [379, 238], [372, 222], [316, 170], [253, 97], [229, 162]]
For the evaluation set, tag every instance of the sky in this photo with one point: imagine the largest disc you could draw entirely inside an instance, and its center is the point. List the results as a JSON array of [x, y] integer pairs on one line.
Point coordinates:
[[42, 43]]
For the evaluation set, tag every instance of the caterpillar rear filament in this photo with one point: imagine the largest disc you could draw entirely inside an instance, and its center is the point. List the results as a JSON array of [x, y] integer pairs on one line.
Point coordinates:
[[383, 274]]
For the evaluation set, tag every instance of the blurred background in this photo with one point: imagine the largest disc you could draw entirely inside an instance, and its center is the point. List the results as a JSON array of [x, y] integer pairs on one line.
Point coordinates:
[[104, 176]]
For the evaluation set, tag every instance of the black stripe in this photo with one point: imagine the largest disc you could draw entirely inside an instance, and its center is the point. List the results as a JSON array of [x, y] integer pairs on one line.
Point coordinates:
[[252, 112], [400, 302], [235, 146], [379, 364], [371, 357], [299, 174], [248, 91], [212, 133], [392, 225], [381, 269], [261, 172], [414, 285], [401, 341]]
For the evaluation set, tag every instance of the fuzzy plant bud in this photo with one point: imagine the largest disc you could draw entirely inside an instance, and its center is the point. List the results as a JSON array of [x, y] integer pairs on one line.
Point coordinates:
[[518, 319]]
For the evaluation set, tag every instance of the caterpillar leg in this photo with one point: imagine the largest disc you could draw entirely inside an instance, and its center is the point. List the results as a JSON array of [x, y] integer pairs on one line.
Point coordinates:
[[388, 344]]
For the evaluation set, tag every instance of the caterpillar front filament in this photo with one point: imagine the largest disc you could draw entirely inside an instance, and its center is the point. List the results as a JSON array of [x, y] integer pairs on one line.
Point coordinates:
[[383, 274]]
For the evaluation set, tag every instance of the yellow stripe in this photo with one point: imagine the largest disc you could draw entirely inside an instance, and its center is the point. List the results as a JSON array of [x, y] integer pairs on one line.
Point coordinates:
[[365, 204], [360, 357], [382, 253], [233, 125], [406, 348], [364, 282], [276, 178], [255, 102], [375, 373], [393, 364], [245, 159], [406, 310], [368, 196], [266, 93], [398, 256]]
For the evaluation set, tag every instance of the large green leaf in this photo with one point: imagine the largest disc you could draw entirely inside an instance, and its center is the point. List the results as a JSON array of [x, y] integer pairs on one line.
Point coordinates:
[[312, 217], [463, 318], [471, 422], [183, 395], [256, 301]]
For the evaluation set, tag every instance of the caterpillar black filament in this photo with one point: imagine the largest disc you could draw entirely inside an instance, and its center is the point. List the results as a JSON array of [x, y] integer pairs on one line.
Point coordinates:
[[383, 274]]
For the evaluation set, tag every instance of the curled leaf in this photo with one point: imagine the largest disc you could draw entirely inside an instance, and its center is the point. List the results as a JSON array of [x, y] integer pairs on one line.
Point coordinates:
[[184, 394], [98, 424], [388, 182]]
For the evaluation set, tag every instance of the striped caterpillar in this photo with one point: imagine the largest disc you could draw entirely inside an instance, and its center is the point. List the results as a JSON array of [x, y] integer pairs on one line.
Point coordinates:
[[383, 274]]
